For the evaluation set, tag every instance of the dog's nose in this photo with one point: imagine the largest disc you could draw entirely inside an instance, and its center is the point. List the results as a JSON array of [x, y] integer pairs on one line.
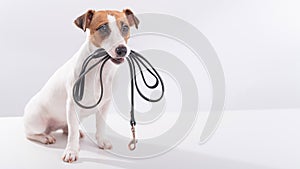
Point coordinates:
[[121, 50]]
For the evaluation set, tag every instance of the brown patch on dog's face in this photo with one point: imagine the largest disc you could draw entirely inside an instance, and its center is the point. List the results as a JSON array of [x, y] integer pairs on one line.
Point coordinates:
[[98, 24], [96, 37]]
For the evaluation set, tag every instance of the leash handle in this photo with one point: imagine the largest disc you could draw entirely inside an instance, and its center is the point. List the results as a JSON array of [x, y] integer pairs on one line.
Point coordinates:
[[132, 143]]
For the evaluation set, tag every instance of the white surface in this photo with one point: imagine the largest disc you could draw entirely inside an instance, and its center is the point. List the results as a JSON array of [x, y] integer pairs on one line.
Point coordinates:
[[245, 140], [257, 42]]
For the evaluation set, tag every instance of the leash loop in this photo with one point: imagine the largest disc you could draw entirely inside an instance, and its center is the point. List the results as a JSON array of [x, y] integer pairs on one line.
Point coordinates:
[[132, 59]]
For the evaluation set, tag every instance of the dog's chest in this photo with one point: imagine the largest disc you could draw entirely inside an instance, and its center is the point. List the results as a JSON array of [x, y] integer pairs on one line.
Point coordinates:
[[92, 88]]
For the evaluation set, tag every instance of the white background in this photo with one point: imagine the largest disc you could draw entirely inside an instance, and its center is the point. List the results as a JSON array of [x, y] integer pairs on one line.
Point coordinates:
[[257, 43]]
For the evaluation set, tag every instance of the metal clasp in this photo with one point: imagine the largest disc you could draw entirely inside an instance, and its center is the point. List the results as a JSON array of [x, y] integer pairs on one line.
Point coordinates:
[[132, 143]]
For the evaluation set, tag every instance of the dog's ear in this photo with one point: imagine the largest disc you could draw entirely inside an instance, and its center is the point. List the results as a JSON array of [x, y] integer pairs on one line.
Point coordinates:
[[84, 20], [132, 19]]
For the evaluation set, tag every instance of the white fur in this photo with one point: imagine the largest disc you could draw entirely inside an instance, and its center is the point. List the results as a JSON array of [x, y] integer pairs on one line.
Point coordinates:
[[53, 107], [115, 38]]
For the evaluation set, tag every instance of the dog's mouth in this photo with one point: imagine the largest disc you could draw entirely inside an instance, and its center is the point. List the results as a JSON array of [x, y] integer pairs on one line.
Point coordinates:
[[117, 60]]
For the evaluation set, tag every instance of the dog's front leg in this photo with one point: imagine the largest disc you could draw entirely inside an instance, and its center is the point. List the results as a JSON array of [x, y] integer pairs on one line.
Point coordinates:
[[103, 143], [72, 149]]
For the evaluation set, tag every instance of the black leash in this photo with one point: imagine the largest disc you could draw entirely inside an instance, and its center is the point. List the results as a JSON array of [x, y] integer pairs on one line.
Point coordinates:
[[133, 59]]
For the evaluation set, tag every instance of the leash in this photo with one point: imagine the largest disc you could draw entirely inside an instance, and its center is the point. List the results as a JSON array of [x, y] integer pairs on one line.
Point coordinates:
[[134, 60]]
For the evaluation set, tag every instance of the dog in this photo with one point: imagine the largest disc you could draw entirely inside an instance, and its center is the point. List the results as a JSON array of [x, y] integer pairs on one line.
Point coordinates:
[[53, 107]]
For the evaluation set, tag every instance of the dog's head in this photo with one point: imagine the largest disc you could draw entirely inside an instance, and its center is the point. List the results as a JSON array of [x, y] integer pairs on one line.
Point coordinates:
[[110, 30]]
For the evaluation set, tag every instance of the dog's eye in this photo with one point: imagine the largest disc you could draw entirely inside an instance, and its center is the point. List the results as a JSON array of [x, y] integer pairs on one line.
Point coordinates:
[[125, 29], [103, 28]]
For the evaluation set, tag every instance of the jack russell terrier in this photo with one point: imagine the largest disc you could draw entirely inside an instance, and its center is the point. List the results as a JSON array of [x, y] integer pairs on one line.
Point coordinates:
[[53, 107]]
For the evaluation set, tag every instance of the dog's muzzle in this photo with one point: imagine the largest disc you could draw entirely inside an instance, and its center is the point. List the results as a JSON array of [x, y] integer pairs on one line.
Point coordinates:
[[117, 60]]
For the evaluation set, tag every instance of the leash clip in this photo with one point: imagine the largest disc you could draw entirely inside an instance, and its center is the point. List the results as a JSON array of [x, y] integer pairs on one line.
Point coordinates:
[[132, 143]]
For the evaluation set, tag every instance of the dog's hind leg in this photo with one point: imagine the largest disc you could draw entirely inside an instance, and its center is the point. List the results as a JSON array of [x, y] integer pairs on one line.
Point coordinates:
[[36, 126]]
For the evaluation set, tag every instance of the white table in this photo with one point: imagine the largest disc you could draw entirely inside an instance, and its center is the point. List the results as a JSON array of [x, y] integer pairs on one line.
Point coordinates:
[[245, 140]]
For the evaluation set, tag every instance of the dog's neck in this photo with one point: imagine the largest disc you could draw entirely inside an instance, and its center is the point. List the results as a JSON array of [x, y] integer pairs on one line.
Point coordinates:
[[84, 51]]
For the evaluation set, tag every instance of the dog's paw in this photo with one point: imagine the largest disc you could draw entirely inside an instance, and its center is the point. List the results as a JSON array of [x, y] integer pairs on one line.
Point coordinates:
[[104, 144], [43, 138], [49, 139], [70, 156]]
